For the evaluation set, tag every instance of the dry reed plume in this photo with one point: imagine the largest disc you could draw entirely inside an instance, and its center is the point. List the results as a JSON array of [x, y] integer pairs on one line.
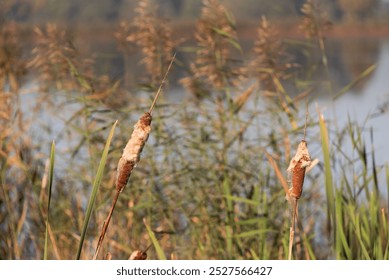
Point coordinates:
[[216, 37], [315, 21], [58, 63], [12, 69], [52, 54], [15, 148], [12, 66], [154, 37], [271, 66], [270, 59]]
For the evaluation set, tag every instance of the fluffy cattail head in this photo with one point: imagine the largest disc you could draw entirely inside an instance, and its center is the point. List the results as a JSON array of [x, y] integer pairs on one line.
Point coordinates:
[[131, 153], [296, 169]]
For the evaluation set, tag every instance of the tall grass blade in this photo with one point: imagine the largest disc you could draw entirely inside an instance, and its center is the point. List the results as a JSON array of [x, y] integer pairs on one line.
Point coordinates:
[[359, 234], [385, 234], [52, 159], [342, 247], [74, 72], [229, 217], [255, 232], [387, 184], [364, 74], [157, 246], [96, 185], [328, 174]]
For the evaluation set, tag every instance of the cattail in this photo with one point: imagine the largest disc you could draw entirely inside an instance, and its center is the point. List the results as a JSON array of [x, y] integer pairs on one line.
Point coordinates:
[[138, 255], [296, 169], [131, 156], [131, 153]]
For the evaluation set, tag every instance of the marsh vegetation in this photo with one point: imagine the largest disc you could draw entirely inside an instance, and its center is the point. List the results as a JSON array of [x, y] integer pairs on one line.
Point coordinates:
[[209, 184]]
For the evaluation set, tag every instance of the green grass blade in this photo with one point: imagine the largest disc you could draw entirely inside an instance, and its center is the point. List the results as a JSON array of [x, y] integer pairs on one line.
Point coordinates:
[[80, 78], [51, 172], [385, 234], [328, 172], [254, 232], [359, 235], [364, 74], [229, 230], [387, 184], [341, 243], [96, 185], [158, 248], [254, 254]]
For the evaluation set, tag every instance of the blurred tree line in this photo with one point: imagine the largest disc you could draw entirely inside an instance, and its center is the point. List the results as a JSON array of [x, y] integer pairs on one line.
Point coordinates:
[[88, 11]]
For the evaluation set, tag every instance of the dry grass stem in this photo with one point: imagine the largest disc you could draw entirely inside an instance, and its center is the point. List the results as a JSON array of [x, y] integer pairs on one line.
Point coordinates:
[[162, 83], [243, 98], [278, 172]]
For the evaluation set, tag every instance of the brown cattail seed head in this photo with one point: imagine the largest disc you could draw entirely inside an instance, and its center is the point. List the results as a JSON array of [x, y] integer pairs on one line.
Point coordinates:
[[138, 255], [131, 153], [296, 169]]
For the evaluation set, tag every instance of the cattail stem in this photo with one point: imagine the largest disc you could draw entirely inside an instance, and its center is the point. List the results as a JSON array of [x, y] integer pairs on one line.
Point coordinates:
[[306, 121], [105, 225], [294, 203], [162, 84]]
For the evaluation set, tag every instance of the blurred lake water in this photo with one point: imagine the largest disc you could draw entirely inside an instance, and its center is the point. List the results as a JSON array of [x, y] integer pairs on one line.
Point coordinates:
[[367, 102]]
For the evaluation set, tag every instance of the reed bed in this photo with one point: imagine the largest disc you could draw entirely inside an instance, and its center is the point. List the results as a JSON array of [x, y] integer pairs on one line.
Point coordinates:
[[214, 172]]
